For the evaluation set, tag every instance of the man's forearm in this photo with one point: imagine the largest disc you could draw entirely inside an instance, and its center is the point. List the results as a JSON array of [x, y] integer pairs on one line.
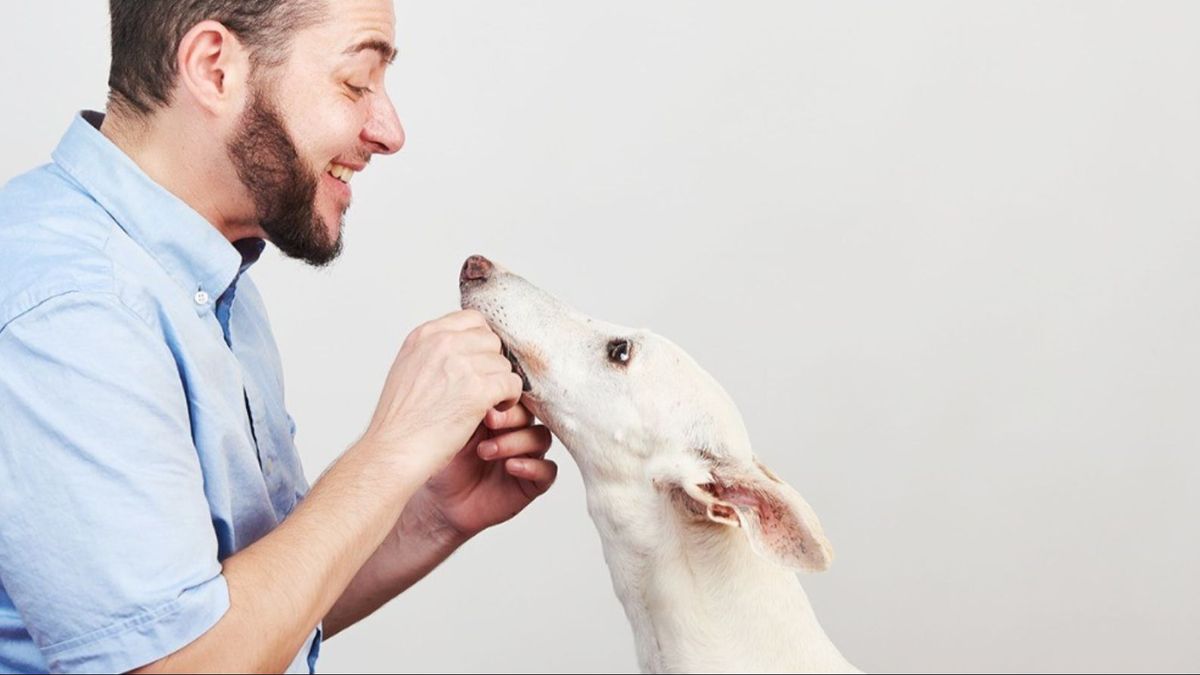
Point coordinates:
[[281, 586], [418, 544]]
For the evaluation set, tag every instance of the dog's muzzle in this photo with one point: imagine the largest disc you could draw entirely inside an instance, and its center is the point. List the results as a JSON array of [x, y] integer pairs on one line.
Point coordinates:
[[525, 386]]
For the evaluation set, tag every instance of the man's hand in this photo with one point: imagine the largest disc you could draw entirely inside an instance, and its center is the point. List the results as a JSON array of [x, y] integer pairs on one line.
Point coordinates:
[[451, 384], [497, 473], [448, 375]]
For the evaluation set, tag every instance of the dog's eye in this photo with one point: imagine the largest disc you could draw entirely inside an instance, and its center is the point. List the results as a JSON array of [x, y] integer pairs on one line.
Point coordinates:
[[618, 351]]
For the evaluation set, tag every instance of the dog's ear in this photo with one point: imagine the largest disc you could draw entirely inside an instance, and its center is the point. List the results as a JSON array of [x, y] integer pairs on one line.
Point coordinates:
[[780, 525]]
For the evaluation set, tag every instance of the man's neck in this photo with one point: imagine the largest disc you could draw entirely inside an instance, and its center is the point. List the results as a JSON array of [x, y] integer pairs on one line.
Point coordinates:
[[187, 162]]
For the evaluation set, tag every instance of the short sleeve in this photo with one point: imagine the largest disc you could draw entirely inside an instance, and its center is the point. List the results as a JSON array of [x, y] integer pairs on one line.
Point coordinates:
[[107, 547]]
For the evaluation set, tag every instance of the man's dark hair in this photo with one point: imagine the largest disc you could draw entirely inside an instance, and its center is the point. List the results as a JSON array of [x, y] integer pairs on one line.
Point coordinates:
[[146, 36]]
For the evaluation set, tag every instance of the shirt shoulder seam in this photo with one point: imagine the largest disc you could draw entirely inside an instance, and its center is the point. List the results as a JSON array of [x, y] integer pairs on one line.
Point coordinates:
[[59, 294]]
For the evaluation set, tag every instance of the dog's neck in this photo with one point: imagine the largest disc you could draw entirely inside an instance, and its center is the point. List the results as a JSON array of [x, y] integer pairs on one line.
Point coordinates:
[[699, 599]]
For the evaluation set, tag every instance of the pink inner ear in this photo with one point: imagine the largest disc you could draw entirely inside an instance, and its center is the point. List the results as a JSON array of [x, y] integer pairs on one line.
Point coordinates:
[[741, 496], [779, 528], [734, 494]]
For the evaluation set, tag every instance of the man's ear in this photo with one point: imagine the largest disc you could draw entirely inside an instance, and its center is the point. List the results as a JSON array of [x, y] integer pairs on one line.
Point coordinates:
[[779, 524], [212, 67]]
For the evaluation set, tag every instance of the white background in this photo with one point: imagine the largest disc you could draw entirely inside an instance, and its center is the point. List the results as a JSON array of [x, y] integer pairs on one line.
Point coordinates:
[[944, 255]]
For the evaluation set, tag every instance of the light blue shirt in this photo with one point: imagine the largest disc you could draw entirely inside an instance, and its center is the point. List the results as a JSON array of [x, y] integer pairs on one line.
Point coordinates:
[[143, 433]]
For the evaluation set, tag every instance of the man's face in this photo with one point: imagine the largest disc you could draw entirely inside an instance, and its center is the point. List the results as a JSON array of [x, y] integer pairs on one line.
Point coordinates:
[[308, 123]]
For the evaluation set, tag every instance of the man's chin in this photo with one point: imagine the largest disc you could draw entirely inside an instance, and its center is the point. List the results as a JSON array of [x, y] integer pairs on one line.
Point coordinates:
[[317, 251], [329, 250], [323, 258]]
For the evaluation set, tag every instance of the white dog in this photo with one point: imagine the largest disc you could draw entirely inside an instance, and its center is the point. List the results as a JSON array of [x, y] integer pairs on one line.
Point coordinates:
[[701, 539]]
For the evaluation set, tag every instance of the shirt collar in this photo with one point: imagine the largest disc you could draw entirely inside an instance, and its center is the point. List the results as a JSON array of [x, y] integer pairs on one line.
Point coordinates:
[[196, 255]]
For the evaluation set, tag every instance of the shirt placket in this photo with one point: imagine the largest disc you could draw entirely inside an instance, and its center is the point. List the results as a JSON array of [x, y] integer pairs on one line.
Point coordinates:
[[266, 461]]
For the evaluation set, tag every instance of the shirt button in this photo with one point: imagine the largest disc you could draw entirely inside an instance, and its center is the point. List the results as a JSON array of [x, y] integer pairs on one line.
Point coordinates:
[[201, 298]]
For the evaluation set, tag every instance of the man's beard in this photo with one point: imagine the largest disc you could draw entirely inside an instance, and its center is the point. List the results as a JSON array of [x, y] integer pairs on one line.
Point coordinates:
[[283, 188]]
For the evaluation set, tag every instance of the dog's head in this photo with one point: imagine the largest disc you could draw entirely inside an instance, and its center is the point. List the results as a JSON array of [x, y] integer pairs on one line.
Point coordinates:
[[633, 408]]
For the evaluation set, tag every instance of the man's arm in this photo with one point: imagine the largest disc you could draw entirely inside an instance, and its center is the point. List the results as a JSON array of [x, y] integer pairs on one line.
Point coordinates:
[[495, 476], [281, 586], [418, 543], [447, 375]]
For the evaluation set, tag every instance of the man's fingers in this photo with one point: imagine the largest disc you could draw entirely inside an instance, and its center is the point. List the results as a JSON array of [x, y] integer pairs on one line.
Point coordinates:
[[513, 418], [505, 389], [531, 441], [540, 473]]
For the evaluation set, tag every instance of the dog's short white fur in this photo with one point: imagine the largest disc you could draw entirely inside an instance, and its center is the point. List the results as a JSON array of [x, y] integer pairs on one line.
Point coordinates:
[[702, 540]]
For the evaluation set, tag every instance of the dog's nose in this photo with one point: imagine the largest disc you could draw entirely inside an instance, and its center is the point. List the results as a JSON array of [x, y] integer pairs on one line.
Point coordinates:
[[476, 270]]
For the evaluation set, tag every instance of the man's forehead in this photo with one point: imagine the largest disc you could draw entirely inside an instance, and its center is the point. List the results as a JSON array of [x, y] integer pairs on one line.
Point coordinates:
[[362, 25]]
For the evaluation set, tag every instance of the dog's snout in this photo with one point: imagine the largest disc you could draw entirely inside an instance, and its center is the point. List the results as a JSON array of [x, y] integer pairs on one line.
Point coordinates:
[[476, 270]]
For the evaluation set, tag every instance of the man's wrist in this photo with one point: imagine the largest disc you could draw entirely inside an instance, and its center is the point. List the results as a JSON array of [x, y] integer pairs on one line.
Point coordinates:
[[421, 522], [395, 464]]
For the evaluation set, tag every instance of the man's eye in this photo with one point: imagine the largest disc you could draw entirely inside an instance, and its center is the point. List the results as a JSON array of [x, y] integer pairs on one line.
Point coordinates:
[[359, 92]]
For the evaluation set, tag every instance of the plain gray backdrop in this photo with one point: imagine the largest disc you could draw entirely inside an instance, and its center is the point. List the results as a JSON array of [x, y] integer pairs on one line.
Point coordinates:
[[944, 255]]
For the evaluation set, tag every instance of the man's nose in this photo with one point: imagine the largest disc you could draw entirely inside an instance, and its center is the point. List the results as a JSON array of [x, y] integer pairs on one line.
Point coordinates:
[[383, 131]]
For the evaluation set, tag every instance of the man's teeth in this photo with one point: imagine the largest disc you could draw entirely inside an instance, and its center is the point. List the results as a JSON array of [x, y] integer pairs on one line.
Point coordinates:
[[340, 172]]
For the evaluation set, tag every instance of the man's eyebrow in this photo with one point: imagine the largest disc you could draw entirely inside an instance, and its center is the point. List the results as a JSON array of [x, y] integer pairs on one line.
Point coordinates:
[[385, 49]]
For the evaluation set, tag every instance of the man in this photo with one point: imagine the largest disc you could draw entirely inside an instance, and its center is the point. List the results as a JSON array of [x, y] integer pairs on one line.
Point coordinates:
[[150, 490]]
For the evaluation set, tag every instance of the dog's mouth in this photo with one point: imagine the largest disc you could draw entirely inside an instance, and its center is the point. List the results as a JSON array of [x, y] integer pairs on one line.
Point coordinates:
[[516, 365]]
